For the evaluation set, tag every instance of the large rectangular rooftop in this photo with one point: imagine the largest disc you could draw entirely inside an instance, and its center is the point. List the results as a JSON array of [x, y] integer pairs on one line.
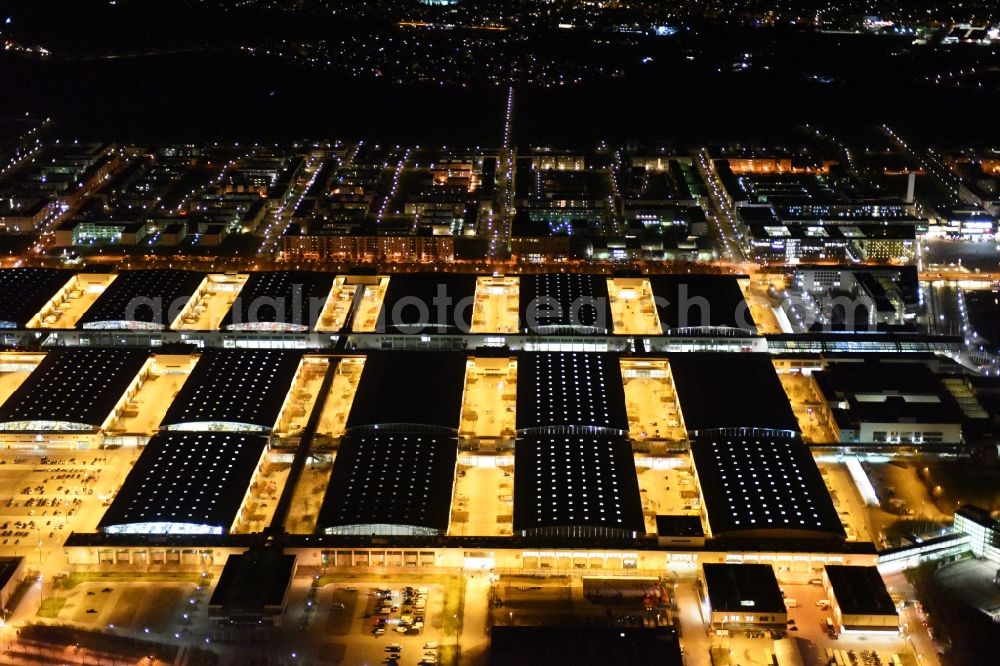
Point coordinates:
[[72, 389], [25, 291], [144, 299], [570, 389], [719, 391], [234, 389], [390, 483], [564, 303], [186, 483], [279, 301], [691, 304], [422, 389], [579, 485], [758, 486], [428, 303]]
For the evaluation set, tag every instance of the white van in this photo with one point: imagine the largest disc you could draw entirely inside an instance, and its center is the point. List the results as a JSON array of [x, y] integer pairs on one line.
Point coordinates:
[[790, 603]]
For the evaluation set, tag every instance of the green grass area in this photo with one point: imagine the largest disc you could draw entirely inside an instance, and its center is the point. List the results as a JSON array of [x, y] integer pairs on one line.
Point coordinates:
[[964, 482], [339, 578], [51, 607], [454, 606], [76, 578], [448, 655], [720, 656]]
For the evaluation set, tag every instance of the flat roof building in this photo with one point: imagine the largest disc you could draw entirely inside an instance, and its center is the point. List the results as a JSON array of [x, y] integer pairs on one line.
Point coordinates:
[[859, 600], [186, 483], [279, 301], [146, 299], [428, 303], [583, 646], [731, 392], [889, 402], [235, 390], [763, 487], [982, 529], [568, 303], [390, 483], [253, 588], [25, 291], [742, 594], [558, 390], [576, 486], [419, 390], [72, 389], [701, 304], [679, 530]]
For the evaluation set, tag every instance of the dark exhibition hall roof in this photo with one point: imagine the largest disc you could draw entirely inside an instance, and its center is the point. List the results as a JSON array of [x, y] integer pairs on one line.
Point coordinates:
[[152, 297], [290, 300], [422, 388], [763, 486], [576, 485], [391, 478], [446, 299], [192, 479], [25, 291], [245, 386], [860, 590], [557, 389], [743, 588], [77, 385], [723, 390], [700, 301], [564, 303]]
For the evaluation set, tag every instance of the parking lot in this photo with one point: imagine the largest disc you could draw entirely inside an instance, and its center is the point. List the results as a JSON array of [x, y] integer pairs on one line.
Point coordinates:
[[48, 496], [350, 620], [133, 605]]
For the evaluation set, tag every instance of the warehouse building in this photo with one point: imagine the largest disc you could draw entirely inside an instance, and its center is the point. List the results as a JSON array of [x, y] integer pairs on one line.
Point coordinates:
[[731, 393], [438, 303], [564, 303], [390, 483], [702, 305], [859, 600], [234, 390], [70, 397], [763, 487], [567, 391], [187, 483], [741, 595], [148, 299], [279, 301], [576, 486], [25, 291], [409, 390]]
